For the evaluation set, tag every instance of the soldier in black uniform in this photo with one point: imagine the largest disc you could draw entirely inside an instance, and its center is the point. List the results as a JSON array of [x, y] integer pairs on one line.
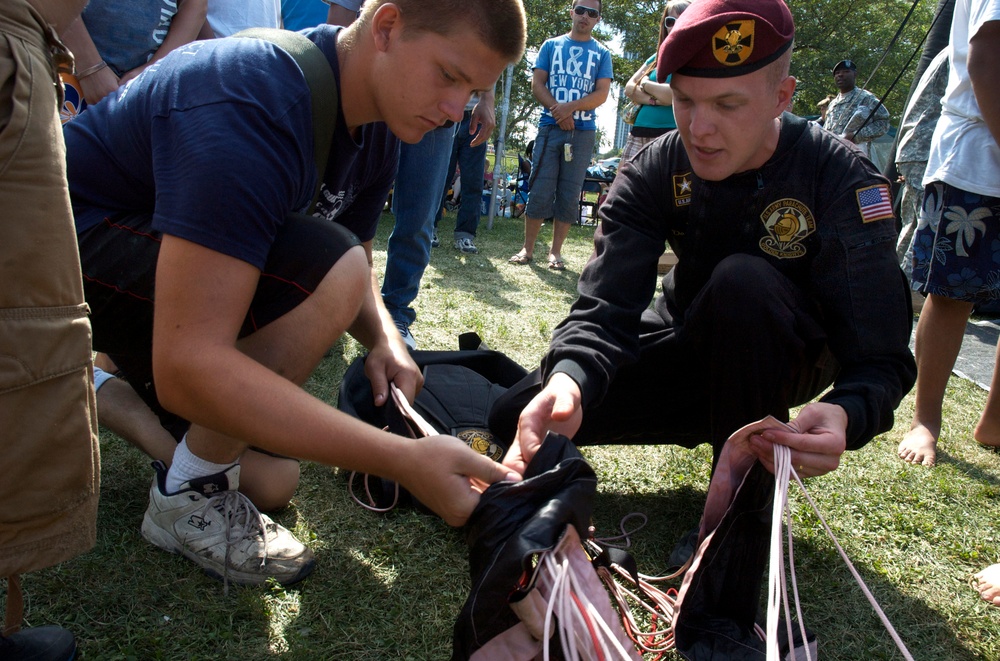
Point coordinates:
[[786, 283]]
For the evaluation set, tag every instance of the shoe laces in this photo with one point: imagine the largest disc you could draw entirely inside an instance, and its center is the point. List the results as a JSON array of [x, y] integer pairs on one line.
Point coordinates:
[[242, 521]]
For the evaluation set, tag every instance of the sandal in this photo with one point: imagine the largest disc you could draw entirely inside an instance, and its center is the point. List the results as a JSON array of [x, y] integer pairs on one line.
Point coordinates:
[[556, 264], [520, 258]]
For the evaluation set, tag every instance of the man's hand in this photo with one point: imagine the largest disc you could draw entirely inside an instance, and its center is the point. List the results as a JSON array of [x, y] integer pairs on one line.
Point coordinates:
[[563, 114], [483, 120], [133, 73], [389, 361], [556, 408], [449, 477], [98, 85], [816, 447]]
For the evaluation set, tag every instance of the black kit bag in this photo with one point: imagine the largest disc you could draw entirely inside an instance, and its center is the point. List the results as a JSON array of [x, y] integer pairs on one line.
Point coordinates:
[[459, 390]]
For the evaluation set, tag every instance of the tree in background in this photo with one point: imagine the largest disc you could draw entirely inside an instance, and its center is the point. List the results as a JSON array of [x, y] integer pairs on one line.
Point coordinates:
[[827, 31]]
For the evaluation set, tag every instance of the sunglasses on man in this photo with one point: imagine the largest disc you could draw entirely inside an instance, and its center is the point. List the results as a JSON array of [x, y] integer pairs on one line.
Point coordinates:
[[580, 11], [668, 21]]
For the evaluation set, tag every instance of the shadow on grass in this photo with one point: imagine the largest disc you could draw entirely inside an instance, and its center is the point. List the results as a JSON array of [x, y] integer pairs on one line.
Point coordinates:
[[390, 586], [970, 469], [834, 606]]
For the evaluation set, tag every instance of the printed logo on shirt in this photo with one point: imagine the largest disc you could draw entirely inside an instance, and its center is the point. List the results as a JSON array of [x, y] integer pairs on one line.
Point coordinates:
[[787, 222], [733, 43], [875, 203], [682, 189], [329, 205]]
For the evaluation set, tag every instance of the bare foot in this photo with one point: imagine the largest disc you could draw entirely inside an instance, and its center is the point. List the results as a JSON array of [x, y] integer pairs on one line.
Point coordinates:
[[987, 584], [918, 446], [987, 432]]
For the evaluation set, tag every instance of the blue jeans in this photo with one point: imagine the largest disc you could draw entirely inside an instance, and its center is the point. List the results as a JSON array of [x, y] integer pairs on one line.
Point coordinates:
[[472, 163], [415, 199]]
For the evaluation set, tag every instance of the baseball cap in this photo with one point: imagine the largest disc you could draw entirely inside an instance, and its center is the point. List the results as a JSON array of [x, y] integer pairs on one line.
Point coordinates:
[[845, 64], [725, 38]]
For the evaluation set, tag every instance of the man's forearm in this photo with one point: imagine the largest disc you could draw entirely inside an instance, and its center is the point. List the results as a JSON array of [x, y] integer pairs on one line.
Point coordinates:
[[184, 27], [592, 101], [543, 95], [373, 319], [984, 71]]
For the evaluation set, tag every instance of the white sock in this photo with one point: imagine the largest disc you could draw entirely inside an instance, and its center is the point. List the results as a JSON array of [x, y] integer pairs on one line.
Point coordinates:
[[186, 466]]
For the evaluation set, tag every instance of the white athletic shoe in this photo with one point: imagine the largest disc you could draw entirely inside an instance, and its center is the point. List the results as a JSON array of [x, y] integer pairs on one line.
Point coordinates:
[[215, 526]]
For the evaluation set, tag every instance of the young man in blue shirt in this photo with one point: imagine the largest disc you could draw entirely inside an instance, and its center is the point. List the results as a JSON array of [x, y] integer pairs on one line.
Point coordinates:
[[217, 297]]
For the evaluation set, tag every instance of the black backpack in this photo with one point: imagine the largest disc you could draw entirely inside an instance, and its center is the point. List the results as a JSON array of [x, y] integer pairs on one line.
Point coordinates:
[[460, 388]]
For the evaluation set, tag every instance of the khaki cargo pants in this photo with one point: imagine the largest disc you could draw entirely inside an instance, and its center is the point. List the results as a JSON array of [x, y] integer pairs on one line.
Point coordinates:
[[49, 457]]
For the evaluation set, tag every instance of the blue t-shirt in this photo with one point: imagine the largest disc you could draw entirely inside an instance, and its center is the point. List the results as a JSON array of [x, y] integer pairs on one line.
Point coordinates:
[[216, 141], [300, 14], [574, 68], [128, 32]]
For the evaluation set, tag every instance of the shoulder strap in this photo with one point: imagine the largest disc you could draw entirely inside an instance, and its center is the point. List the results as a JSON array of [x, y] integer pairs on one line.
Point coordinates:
[[322, 88]]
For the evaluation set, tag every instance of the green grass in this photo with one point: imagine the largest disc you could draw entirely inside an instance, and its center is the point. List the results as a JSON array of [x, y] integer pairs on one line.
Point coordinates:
[[390, 586]]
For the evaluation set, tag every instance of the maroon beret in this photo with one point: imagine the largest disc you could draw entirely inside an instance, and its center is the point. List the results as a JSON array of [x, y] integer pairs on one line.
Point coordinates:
[[724, 38]]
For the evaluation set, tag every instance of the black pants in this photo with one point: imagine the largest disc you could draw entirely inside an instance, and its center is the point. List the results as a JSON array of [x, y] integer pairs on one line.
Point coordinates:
[[119, 270], [748, 346]]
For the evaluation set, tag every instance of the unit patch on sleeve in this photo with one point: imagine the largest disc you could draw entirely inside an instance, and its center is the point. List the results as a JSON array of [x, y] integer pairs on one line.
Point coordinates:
[[682, 189], [788, 222], [875, 203]]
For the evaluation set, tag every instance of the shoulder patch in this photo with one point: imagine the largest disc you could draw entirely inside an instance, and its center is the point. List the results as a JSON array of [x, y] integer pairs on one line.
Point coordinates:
[[875, 203], [787, 222], [682, 189]]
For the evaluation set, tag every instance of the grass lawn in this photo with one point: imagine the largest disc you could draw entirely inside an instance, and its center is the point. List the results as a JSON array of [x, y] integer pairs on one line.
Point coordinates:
[[389, 586]]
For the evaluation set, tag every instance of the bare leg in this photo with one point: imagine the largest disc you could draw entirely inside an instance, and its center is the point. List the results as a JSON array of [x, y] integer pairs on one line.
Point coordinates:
[[987, 584], [293, 346], [559, 233], [267, 480], [939, 337], [532, 226], [120, 409], [988, 430]]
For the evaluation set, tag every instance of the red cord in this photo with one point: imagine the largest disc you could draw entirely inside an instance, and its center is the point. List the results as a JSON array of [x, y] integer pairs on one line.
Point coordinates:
[[590, 626]]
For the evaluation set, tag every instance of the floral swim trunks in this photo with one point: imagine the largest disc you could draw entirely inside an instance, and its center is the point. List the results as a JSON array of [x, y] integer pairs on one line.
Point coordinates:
[[956, 249]]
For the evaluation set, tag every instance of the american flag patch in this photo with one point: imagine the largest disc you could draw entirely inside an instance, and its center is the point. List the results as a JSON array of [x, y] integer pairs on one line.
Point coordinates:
[[875, 203]]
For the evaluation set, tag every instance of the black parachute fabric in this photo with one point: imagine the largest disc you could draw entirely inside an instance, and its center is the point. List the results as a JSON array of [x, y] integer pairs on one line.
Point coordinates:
[[514, 522], [458, 394], [717, 606]]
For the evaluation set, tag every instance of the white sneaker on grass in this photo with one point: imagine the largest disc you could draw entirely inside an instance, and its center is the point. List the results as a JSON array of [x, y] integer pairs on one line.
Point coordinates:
[[215, 526]]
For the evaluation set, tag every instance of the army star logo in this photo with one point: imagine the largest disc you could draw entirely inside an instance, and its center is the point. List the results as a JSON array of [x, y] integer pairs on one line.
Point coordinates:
[[788, 222], [682, 189], [733, 43]]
